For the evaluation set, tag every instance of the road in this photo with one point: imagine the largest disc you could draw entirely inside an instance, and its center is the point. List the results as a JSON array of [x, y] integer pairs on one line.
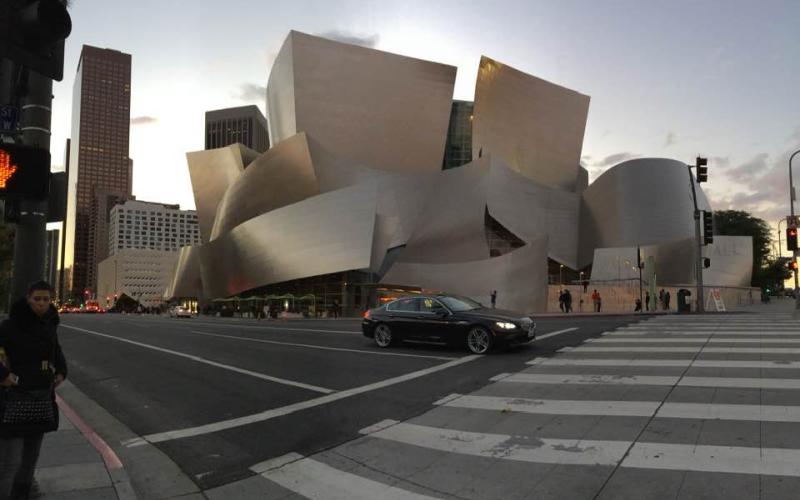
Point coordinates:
[[221, 395]]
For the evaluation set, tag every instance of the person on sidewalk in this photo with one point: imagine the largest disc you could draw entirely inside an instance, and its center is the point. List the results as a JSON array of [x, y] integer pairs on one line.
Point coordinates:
[[33, 361], [638, 307], [561, 300], [596, 300], [661, 299], [647, 301], [567, 301], [494, 298], [666, 301]]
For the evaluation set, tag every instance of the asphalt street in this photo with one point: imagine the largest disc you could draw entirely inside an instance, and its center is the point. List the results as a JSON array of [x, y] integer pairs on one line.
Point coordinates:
[[220, 395]]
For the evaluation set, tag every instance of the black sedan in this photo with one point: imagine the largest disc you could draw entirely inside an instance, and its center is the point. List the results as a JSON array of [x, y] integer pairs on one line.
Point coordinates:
[[446, 319]]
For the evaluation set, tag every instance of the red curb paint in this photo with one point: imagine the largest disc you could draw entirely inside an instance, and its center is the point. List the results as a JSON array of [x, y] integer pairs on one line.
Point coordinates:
[[110, 458]]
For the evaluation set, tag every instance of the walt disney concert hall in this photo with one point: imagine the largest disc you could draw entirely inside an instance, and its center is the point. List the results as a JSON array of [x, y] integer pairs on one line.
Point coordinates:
[[377, 182]]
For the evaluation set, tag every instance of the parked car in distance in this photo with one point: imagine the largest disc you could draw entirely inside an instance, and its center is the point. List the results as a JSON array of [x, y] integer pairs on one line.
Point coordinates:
[[446, 319], [92, 307], [180, 312]]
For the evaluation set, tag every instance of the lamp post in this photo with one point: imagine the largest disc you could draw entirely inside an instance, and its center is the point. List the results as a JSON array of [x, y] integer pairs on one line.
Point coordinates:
[[780, 243], [560, 274], [791, 207]]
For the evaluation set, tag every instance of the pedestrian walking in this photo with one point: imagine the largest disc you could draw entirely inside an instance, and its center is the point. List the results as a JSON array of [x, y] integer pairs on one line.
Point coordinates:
[[638, 307], [494, 298], [666, 301], [32, 365], [585, 285], [561, 299], [661, 299], [567, 301], [596, 300], [647, 301]]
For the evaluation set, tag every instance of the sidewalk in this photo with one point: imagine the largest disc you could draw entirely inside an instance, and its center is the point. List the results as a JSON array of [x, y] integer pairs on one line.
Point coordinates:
[[75, 463]]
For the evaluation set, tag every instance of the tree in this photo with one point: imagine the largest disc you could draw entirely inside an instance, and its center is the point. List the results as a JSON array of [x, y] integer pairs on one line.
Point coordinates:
[[740, 223]]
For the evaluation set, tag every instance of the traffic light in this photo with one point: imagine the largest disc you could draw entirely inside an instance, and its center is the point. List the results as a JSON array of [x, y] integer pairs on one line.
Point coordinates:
[[702, 169], [24, 172], [708, 227], [32, 34], [791, 238]]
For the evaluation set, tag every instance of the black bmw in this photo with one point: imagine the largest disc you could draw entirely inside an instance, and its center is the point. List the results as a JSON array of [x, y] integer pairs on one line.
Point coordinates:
[[446, 319]]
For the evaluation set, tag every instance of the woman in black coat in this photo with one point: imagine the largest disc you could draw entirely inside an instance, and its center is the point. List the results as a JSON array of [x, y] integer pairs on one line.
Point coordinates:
[[33, 361]]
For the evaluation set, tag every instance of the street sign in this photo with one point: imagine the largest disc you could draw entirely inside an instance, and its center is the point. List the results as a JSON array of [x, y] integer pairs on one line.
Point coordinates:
[[9, 116]]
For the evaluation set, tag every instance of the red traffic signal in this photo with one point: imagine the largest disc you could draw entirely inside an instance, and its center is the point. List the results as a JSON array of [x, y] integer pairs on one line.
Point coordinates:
[[24, 172], [791, 238]]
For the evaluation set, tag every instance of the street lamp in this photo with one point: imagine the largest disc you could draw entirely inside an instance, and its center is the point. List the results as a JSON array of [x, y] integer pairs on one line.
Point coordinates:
[[560, 274], [791, 206]]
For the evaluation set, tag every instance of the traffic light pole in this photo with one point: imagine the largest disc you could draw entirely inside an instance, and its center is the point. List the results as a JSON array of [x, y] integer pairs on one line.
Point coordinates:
[[699, 242], [794, 252], [31, 232]]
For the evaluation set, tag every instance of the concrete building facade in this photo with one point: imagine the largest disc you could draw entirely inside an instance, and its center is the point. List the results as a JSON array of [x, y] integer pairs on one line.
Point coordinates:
[[144, 225], [241, 125], [140, 274]]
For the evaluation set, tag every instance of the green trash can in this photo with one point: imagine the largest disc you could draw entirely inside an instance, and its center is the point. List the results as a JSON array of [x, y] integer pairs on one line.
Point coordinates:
[[683, 303]]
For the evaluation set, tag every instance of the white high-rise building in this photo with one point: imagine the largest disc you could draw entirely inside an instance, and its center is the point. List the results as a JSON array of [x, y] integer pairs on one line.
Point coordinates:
[[143, 243], [151, 226]]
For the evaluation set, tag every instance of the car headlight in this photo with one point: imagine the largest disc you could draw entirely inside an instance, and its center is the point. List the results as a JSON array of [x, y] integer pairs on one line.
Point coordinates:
[[505, 326]]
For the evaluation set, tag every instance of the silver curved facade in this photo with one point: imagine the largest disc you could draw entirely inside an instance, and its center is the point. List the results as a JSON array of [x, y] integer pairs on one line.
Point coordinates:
[[535, 126], [353, 182]]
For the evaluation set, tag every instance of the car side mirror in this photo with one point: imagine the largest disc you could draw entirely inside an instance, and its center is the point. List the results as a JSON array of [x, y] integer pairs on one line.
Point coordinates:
[[442, 313]]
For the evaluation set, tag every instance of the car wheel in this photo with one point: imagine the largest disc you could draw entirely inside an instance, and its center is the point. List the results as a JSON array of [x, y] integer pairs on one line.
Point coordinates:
[[383, 335], [479, 340]]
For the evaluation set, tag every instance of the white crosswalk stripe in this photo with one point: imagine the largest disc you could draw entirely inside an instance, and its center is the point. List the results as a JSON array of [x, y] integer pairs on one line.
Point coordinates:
[[636, 398]]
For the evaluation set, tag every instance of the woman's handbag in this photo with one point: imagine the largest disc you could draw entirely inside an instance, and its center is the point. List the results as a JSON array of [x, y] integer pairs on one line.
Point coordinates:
[[27, 407]]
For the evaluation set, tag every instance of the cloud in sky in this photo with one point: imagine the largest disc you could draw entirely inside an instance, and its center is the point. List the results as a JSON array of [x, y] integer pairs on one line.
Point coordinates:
[[749, 169], [249, 92], [352, 38], [143, 120], [614, 159]]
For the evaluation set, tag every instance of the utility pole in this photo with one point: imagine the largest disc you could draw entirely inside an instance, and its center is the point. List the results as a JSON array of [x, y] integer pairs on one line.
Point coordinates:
[[701, 176], [30, 240]]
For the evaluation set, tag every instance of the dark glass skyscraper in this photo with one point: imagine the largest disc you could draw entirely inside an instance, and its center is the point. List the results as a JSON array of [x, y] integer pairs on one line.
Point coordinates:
[[458, 149], [245, 125], [99, 159]]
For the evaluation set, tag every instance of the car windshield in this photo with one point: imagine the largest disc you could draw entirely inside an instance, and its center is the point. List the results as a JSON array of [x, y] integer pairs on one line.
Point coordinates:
[[459, 303]]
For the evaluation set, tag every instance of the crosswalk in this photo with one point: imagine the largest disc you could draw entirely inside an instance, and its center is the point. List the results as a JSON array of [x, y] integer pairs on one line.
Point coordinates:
[[673, 407]]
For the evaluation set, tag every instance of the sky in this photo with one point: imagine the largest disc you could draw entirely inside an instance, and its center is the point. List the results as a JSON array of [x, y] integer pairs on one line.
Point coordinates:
[[672, 79]]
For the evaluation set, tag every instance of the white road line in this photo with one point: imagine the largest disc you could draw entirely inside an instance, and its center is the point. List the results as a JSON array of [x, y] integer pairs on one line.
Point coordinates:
[[727, 459], [700, 363], [558, 332], [686, 457], [698, 333], [198, 359], [719, 350], [318, 481], [555, 406], [502, 446], [592, 379], [289, 409], [570, 378], [702, 411], [670, 340], [324, 348]]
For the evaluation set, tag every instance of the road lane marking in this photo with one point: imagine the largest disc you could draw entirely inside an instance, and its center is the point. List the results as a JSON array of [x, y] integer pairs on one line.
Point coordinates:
[[720, 350], [669, 340], [726, 459], [319, 481], [289, 409], [701, 411], [552, 334], [198, 359], [661, 456], [507, 447], [700, 333], [699, 363], [324, 348], [591, 379]]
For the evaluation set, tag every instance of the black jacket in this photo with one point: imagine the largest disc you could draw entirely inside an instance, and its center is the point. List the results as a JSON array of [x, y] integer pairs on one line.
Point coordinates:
[[31, 346]]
